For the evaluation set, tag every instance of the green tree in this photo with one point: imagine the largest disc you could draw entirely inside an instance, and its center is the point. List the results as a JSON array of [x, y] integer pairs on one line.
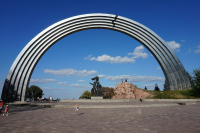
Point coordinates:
[[145, 88], [156, 88], [107, 92], [191, 79], [166, 87], [86, 94], [34, 92], [196, 81]]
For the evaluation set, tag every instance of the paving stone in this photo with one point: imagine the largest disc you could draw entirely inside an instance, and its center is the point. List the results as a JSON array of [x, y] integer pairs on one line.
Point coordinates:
[[166, 119]]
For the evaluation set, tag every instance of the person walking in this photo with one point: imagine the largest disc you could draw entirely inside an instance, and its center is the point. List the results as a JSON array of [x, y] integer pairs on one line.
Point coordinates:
[[140, 98], [1, 106], [50, 99], [6, 111], [76, 109]]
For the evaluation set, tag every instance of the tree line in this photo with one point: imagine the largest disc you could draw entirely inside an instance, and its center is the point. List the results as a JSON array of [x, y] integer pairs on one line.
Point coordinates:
[[106, 92], [194, 78]]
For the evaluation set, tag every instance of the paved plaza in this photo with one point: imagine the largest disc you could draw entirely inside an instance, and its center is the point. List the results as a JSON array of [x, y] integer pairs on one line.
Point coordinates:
[[161, 119]]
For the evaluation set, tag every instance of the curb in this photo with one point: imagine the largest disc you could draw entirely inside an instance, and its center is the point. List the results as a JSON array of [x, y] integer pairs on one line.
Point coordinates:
[[102, 106], [123, 106], [131, 100]]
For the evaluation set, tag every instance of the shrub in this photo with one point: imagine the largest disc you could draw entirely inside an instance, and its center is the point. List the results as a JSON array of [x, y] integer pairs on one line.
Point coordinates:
[[145, 88], [156, 88], [107, 92], [86, 94]]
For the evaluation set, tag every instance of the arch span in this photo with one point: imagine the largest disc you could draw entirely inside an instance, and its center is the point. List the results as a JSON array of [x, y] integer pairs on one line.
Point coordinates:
[[18, 77]]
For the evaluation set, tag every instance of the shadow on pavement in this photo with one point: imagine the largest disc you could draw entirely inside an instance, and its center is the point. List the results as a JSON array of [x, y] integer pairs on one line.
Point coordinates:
[[81, 113]]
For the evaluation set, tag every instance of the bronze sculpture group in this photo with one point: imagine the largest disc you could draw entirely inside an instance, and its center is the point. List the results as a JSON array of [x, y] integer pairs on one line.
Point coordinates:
[[96, 90]]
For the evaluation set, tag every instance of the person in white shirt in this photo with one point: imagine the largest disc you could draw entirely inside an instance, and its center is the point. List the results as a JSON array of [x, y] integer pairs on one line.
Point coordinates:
[[76, 109], [140, 98], [50, 99]]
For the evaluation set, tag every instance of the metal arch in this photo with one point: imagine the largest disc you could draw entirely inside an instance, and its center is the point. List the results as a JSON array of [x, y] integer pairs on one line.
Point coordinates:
[[21, 70]]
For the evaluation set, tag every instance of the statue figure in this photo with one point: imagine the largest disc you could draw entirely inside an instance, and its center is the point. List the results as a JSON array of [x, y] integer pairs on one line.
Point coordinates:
[[92, 92], [126, 80], [96, 87]]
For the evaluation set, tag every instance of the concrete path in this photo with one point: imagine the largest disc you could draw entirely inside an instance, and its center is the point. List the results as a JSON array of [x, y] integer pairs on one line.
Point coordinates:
[[161, 119]]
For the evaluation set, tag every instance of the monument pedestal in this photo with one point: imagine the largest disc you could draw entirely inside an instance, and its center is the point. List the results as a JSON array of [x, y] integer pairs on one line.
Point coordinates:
[[97, 97]]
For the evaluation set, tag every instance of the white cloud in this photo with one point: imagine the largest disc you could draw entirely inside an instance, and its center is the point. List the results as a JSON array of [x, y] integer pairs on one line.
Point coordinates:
[[198, 49], [188, 51], [81, 80], [158, 68], [93, 58], [139, 52], [183, 40], [81, 86], [86, 73], [49, 88], [42, 81], [62, 83], [62, 72], [135, 78], [70, 72], [88, 57], [174, 45], [101, 76], [117, 59]]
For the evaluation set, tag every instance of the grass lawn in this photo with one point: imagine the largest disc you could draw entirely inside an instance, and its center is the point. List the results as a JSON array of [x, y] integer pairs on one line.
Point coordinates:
[[175, 94]]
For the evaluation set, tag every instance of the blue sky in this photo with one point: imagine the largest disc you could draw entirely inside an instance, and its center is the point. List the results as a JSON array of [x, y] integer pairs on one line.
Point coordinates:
[[66, 69]]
